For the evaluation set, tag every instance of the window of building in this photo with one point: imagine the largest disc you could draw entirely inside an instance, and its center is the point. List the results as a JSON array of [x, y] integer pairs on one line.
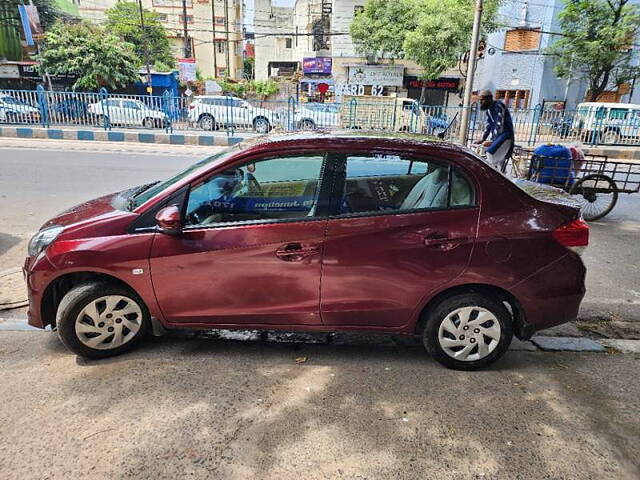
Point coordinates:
[[268, 190], [220, 46], [171, 3], [221, 72], [163, 17], [288, 43], [516, 99], [189, 19], [519, 40], [377, 183], [220, 20]]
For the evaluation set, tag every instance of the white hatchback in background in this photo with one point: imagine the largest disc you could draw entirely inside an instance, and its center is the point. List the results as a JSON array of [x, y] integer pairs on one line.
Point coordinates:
[[13, 110], [317, 115], [613, 123], [218, 111], [127, 112]]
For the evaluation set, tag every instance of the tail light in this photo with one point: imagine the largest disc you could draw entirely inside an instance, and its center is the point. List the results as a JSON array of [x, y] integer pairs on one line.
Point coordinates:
[[192, 106], [573, 235]]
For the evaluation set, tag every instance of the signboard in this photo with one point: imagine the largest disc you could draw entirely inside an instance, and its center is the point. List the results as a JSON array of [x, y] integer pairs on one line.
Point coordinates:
[[386, 75], [317, 65], [9, 71], [439, 84], [187, 68]]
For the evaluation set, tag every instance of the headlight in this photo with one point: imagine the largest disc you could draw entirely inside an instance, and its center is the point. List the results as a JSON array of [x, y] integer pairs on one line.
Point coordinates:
[[43, 239]]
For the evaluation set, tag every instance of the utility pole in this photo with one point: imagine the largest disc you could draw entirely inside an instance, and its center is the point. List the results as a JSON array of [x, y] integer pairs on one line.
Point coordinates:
[[471, 70], [226, 27], [146, 48], [215, 43], [185, 31]]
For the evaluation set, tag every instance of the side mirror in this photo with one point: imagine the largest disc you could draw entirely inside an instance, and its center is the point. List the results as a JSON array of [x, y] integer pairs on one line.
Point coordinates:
[[169, 220]]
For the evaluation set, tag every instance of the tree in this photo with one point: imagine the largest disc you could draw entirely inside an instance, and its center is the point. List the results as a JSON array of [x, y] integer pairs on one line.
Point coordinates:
[[432, 33], [596, 43], [123, 20], [88, 51]]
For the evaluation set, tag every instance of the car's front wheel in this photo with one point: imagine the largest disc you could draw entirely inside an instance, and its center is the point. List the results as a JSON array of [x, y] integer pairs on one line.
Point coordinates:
[[468, 331], [261, 125], [98, 319]]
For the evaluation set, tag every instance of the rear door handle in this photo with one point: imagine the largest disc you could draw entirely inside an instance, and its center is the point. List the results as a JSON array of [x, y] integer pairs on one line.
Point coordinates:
[[296, 252], [443, 242]]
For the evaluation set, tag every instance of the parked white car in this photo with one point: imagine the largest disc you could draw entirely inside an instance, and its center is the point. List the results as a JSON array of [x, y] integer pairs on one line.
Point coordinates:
[[612, 122], [317, 115], [210, 112], [13, 110], [127, 112]]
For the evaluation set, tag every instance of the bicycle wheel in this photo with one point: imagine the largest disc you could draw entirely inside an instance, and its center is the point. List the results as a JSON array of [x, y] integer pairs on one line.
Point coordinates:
[[597, 195]]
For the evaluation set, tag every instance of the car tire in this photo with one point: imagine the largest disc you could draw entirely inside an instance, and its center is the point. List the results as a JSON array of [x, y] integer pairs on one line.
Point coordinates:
[[102, 119], [150, 122], [207, 122], [454, 336], [611, 137], [89, 324], [261, 125], [307, 124]]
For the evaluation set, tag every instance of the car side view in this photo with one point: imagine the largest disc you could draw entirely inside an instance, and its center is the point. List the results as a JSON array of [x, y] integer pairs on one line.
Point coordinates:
[[316, 232]]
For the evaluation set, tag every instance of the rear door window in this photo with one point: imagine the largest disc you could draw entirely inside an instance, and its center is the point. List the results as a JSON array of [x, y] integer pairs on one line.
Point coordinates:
[[378, 183]]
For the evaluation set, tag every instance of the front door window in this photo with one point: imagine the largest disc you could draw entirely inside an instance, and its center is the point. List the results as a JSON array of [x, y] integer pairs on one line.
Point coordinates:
[[274, 189]]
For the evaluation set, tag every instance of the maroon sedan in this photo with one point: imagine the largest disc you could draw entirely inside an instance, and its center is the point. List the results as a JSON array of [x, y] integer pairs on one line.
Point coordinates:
[[316, 232]]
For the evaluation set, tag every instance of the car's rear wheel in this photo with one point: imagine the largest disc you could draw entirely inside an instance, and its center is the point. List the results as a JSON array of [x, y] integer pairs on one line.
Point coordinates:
[[98, 319], [611, 137], [468, 331], [207, 122], [307, 124], [261, 125], [102, 120], [151, 123]]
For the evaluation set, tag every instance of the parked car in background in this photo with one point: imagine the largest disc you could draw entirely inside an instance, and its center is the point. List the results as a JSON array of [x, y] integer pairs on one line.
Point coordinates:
[[310, 116], [608, 123], [72, 110], [330, 232], [127, 112], [211, 112], [13, 110]]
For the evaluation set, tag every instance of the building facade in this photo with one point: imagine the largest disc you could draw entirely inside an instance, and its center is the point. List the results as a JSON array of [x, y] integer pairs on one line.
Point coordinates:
[[517, 69], [216, 38], [312, 39]]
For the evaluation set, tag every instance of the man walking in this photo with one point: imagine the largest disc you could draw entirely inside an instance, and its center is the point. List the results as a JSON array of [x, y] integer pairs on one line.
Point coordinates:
[[499, 129]]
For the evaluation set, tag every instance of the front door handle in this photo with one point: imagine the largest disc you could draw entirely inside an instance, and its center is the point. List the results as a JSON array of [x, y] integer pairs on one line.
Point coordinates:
[[296, 252]]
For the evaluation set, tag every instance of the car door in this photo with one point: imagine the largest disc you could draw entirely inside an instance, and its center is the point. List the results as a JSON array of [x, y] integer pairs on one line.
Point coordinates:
[[405, 226], [114, 111], [250, 251]]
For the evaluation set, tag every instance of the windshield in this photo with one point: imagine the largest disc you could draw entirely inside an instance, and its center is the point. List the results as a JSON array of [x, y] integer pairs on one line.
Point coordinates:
[[144, 195]]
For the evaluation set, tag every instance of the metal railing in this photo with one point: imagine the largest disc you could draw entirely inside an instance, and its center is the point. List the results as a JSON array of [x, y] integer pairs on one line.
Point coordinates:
[[596, 125]]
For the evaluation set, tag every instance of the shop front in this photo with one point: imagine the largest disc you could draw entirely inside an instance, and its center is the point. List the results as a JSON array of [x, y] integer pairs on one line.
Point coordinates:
[[317, 84], [442, 91]]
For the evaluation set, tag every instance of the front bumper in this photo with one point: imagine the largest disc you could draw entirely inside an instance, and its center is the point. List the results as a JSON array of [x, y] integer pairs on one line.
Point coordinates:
[[38, 273]]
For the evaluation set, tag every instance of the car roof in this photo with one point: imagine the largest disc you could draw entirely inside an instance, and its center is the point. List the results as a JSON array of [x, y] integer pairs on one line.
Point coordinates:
[[355, 137]]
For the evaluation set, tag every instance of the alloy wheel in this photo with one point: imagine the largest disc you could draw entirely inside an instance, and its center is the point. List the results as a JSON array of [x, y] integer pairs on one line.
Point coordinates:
[[469, 333], [108, 322]]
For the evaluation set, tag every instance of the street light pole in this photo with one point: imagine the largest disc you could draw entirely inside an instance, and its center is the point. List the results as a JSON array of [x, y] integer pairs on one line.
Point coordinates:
[[185, 31], [146, 48], [471, 70]]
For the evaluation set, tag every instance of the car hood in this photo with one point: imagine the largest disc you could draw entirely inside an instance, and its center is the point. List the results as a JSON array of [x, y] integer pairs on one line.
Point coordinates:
[[93, 209]]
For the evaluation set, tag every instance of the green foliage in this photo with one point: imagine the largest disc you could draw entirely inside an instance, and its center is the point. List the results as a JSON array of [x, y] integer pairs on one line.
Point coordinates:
[[10, 47], [97, 57], [232, 88], [433, 33], [162, 67], [123, 20], [263, 89], [248, 67], [597, 43]]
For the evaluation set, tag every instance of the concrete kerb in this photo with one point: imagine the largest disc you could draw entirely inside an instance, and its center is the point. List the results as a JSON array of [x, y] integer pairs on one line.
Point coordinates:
[[160, 138]]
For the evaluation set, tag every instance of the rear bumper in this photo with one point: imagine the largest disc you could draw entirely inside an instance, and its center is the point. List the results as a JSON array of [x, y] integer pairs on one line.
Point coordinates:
[[552, 296]]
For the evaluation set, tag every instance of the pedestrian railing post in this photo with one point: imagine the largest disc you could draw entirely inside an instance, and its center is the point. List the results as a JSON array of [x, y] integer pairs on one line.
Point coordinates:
[[104, 100], [353, 106], [167, 104], [534, 125], [291, 113]]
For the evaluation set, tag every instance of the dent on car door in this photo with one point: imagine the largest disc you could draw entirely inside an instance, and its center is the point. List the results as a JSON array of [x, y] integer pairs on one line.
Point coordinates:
[[250, 252], [405, 227]]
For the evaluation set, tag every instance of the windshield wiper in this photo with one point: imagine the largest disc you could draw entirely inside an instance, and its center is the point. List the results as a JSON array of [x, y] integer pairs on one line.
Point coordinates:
[[131, 203]]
